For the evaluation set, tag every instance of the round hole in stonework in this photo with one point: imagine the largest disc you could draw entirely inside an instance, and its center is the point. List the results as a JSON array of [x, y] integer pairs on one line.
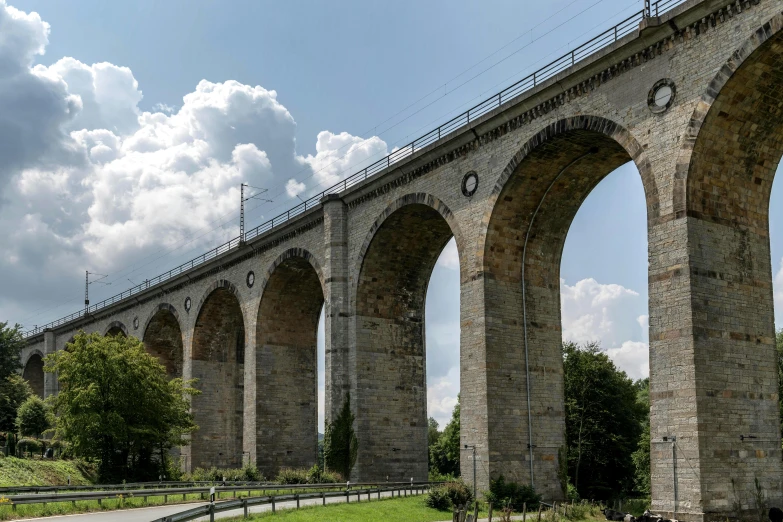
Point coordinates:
[[470, 183], [251, 279], [187, 304], [661, 96]]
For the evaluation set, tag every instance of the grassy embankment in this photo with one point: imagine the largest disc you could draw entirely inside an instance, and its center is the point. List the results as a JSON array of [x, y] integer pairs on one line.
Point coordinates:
[[31, 472]]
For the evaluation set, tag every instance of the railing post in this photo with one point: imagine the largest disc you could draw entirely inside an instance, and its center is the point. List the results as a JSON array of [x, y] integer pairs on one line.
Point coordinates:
[[572, 58], [297, 500], [273, 503], [244, 506], [615, 33], [212, 513], [323, 498]]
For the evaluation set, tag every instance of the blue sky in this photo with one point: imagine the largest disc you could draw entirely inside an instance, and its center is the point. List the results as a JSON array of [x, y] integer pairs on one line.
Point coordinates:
[[381, 73]]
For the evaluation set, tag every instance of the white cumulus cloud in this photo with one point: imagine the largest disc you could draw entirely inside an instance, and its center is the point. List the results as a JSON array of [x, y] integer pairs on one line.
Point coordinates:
[[609, 314], [89, 181]]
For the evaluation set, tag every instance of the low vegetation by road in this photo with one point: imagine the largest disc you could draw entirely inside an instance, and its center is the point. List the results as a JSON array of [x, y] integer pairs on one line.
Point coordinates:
[[406, 509], [34, 472]]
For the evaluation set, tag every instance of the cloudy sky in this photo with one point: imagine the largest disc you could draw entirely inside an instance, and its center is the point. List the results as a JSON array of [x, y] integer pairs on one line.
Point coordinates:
[[127, 127]]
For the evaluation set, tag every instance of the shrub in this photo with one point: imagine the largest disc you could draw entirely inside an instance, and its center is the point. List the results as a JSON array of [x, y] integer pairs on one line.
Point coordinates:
[[249, 473], [317, 475], [436, 476], [28, 446], [293, 476], [502, 493], [438, 499], [443, 497]]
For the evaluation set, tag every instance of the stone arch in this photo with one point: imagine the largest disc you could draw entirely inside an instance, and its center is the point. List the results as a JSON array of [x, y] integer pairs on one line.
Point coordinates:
[[217, 361], [162, 338], [594, 124], [682, 196], [393, 270], [292, 297], [116, 328], [530, 211], [415, 198], [725, 171], [33, 372]]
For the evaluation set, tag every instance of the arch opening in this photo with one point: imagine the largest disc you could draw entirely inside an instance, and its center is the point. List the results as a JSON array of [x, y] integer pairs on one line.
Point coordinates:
[[34, 374], [287, 367], [528, 225], [116, 328], [390, 383], [218, 364], [163, 340]]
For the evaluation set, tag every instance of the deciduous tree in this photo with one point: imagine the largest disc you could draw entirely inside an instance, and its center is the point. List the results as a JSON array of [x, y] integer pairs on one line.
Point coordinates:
[[603, 423], [32, 419], [117, 405], [445, 453]]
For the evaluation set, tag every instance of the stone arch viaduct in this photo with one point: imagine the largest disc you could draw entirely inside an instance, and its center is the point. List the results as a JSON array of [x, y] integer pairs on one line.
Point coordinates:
[[244, 323]]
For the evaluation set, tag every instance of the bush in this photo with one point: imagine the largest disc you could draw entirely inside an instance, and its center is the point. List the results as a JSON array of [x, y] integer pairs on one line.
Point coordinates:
[[513, 495], [438, 499], [249, 473], [436, 476], [443, 497], [316, 475], [293, 476], [28, 446]]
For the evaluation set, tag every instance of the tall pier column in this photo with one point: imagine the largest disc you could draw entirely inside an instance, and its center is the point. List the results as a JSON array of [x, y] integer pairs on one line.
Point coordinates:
[[336, 313], [715, 428]]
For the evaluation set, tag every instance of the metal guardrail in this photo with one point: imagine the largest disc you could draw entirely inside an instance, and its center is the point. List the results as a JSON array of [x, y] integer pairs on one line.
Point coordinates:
[[608, 37], [73, 497], [230, 505], [130, 485]]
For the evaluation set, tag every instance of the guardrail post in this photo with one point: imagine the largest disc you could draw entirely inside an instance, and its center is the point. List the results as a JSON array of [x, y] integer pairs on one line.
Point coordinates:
[[212, 513], [323, 498], [347, 497], [273, 503], [244, 506], [297, 500]]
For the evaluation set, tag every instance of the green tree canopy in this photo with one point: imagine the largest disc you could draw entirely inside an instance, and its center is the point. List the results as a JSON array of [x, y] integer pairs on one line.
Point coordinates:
[[341, 447], [445, 453], [117, 405], [13, 392], [11, 344], [32, 418], [603, 423], [641, 457]]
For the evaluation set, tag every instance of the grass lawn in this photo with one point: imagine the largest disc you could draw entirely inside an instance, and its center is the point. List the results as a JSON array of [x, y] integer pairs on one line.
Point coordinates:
[[410, 509], [33, 472]]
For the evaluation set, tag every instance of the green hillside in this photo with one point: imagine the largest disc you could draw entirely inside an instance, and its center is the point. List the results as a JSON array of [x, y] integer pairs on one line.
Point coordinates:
[[30, 472]]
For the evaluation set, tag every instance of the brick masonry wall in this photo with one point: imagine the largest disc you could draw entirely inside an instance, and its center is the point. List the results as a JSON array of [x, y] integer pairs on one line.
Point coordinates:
[[286, 368], [706, 165]]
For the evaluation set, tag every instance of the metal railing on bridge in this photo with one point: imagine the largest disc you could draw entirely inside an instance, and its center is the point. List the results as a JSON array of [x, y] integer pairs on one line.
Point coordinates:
[[606, 38]]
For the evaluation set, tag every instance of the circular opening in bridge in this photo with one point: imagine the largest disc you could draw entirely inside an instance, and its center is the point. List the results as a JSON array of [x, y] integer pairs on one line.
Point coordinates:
[[34, 374]]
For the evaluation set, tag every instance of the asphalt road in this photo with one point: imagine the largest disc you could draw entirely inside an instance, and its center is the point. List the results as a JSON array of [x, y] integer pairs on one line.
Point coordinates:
[[152, 513]]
